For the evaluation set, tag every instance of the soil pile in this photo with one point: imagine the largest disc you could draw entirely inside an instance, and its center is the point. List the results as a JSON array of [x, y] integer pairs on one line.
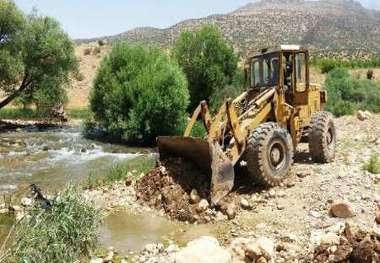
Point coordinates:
[[356, 246], [178, 188]]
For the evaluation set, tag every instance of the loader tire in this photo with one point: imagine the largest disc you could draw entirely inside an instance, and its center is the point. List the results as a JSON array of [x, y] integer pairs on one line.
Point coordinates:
[[322, 137], [269, 154]]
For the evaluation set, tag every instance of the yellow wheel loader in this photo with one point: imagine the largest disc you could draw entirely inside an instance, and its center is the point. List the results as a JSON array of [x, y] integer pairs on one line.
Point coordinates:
[[261, 128]]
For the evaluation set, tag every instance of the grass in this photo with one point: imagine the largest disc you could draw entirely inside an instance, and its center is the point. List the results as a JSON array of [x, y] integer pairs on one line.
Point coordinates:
[[79, 113], [373, 164], [31, 114], [130, 168], [66, 232], [21, 114]]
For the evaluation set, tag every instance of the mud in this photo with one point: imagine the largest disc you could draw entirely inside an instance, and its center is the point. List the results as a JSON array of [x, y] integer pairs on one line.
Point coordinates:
[[168, 188], [356, 246]]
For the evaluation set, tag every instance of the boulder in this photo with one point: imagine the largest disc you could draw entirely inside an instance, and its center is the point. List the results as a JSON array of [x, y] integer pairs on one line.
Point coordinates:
[[237, 249], [330, 239], [194, 196], [231, 211], [26, 201], [363, 115], [172, 248], [203, 205], [96, 260], [341, 209], [203, 250], [252, 250], [267, 247], [245, 204], [377, 219]]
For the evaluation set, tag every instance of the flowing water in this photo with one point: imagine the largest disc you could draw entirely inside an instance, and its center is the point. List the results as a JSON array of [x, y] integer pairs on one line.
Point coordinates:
[[52, 158]]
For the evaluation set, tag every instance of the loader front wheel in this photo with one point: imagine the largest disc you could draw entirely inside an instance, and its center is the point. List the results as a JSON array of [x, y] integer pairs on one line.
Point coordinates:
[[269, 154], [322, 137]]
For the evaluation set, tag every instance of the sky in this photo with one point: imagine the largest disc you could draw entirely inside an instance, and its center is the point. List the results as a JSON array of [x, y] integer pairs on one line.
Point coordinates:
[[94, 18]]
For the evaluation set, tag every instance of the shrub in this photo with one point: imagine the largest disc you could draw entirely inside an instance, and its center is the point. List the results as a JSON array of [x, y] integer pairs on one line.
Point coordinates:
[[328, 64], [347, 95], [208, 62], [138, 94], [370, 74], [96, 50], [21, 114], [63, 233], [102, 42], [121, 171], [79, 114], [373, 164], [87, 51]]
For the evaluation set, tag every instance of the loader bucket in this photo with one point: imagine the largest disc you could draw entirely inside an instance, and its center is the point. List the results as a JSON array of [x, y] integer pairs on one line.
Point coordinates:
[[208, 156]]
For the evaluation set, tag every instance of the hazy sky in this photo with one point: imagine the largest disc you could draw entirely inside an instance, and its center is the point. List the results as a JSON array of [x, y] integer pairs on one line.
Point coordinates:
[[92, 18]]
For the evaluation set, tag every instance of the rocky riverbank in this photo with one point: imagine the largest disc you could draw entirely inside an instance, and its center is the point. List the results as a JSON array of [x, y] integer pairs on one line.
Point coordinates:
[[324, 213]]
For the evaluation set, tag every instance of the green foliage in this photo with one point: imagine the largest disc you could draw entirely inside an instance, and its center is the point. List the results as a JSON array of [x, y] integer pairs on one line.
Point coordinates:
[[121, 171], [328, 64], [82, 114], [229, 91], [138, 94], [208, 62], [12, 23], [373, 164], [36, 60], [347, 95], [20, 114], [63, 233]]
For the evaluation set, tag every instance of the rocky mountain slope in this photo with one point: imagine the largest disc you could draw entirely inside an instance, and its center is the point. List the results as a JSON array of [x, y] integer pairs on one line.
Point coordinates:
[[341, 27]]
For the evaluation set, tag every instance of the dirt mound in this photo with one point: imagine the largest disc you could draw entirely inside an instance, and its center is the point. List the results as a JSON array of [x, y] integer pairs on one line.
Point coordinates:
[[180, 189], [355, 246]]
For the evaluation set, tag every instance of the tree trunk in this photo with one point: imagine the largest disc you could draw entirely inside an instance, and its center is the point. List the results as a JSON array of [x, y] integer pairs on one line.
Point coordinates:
[[15, 94]]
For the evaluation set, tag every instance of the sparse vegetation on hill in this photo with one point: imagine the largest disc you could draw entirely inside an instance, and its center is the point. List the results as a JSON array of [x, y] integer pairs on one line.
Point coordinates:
[[332, 28], [347, 94], [208, 62], [37, 58], [139, 93]]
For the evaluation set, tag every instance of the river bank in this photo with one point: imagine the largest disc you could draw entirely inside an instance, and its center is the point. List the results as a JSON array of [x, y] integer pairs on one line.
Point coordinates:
[[300, 215], [292, 220]]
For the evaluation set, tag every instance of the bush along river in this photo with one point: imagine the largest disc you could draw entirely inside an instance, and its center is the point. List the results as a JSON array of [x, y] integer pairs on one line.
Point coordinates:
[[53, 157]]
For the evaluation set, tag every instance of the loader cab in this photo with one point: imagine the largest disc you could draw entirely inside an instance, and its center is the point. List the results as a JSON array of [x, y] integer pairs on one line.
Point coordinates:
[[285, 69]]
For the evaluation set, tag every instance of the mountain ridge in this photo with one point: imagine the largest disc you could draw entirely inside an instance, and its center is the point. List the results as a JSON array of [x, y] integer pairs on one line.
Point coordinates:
[[328, 27]]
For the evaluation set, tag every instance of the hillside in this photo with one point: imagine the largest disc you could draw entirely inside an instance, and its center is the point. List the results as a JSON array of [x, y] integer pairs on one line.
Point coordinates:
[[329, 27]]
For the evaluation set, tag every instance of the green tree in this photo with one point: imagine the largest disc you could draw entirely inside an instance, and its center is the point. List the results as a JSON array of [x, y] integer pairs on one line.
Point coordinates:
[[36, 55], [12, 22], [347, 94], [207, 60], [138, 94]]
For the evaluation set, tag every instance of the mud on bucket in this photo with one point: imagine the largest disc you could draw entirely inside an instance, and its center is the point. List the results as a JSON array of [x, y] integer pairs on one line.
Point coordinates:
[[208, 156]]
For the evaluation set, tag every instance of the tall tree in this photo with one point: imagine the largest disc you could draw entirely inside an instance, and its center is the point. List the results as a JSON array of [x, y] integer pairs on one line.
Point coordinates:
[[207, 60], [139, 93], [37, 54]]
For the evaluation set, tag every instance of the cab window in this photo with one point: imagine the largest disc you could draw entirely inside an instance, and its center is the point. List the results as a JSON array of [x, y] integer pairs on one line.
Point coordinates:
[[301, 72], [255, 74]]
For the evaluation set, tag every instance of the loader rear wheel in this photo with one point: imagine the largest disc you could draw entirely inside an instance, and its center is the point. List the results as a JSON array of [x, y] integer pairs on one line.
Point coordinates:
[[269, 154], [322, 137]]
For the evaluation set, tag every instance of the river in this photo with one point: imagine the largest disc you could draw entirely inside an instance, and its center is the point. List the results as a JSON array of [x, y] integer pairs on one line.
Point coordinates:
[[54, 157]]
